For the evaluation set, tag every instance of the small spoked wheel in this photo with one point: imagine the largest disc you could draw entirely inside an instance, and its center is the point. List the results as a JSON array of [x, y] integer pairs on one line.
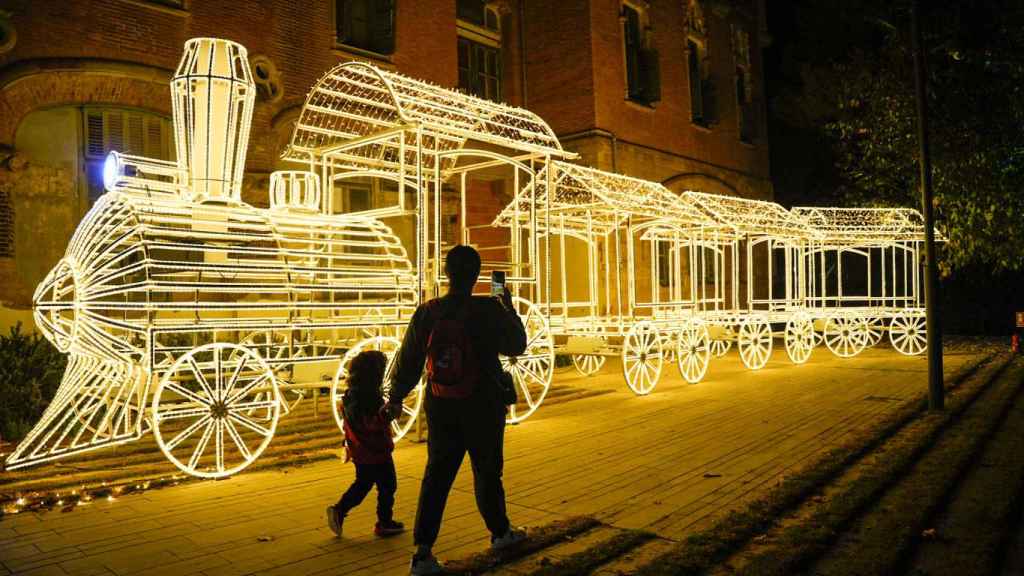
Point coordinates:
[[720, 347], [844, 336], [800, 338], [908, 333], [533, 369], [588, 364], [755, 342], [642, 357], [873, 330], [216, 409], [410, 404], [693, 350]]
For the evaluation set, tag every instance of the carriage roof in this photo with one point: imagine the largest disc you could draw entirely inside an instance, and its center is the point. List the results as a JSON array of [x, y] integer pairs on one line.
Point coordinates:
[[587, 197], [865, 224], [356, 101], [748, 216]]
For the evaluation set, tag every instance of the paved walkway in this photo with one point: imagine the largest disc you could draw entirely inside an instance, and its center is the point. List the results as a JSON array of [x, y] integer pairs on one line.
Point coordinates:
[[669, 462]]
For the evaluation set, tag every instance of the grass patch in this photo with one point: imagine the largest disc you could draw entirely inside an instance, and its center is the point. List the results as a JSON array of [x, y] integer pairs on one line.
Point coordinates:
[[889, 530], [706, 549], [585, 561], [537, 540]]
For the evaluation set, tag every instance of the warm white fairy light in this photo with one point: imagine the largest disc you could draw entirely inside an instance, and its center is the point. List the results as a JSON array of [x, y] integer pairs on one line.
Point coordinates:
[[885, 245], [188, 312]]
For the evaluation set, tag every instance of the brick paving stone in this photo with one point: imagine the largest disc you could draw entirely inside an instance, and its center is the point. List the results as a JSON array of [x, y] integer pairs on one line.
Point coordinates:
[[635, 462]]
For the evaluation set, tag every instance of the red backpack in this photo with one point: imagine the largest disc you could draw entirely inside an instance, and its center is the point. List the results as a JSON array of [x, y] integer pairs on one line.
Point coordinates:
[[452, 367]]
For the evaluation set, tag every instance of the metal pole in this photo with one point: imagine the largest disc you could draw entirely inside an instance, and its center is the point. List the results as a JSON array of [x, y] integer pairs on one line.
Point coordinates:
[[931, 280]]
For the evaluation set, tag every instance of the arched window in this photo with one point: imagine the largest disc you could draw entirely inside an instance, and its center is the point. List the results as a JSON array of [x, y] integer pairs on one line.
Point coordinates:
[[479, 47]]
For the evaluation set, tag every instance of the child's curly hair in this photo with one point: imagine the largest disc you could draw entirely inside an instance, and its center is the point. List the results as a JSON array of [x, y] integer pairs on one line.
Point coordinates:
[[365, 395]]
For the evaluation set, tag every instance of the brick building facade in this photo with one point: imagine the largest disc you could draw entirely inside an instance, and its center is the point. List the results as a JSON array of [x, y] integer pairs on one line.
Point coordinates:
[[668, 91]]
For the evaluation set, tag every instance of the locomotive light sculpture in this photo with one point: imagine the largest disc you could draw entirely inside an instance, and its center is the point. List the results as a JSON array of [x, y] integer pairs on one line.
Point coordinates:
[[190, 313], [187, 311]]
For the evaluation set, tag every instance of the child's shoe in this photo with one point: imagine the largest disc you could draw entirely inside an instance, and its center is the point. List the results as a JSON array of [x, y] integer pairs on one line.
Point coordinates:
[[388, 528], [425, 565], [335, 520]]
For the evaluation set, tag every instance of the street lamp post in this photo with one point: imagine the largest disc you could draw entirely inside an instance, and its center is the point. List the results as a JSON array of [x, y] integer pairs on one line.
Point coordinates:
[[931, 280]]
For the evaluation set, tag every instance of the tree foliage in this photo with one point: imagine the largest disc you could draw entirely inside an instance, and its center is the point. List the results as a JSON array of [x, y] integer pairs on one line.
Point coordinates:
[[853, 89]]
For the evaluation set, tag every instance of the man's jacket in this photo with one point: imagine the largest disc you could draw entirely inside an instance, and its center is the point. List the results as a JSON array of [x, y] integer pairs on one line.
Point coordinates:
[[493, 330]]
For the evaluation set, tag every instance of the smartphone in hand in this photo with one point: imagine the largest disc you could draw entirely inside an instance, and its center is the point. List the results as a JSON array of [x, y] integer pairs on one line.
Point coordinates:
[[497, 283]]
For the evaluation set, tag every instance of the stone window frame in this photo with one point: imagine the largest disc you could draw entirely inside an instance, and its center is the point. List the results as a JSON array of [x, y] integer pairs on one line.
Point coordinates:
[[644, 45], [94, 154], [742, 65], [697, 38]]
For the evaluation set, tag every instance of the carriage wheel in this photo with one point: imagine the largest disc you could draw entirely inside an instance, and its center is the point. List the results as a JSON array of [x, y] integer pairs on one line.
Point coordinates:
[[720, 347], [800, 338], [410, 404], [872, 329], [588, 364], [642, 357], [845, 337], [908, 333], [755, 342], [532, 370], [202, 406], [693, 351], [273, 348]]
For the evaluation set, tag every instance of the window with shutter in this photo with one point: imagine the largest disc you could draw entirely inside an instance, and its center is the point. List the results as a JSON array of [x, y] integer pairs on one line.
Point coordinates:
[[643, 82], [126, 131], [366, 24]]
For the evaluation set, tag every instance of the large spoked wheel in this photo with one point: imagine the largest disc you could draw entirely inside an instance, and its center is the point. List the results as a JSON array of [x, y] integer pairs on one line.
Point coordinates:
[[908, 333], [642, 358], [215, 410], [845, 337], [800, 338], [410, 405], [532, 370], [693, 350], [588, 364], [755, 342]]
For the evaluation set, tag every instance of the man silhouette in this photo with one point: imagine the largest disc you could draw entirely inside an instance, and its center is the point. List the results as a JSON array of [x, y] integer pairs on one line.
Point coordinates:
[[464, 416]]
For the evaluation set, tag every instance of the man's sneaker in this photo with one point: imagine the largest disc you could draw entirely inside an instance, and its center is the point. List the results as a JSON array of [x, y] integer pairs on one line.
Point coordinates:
[[425, 565], [335, 520], [389, 528], [512, 537]]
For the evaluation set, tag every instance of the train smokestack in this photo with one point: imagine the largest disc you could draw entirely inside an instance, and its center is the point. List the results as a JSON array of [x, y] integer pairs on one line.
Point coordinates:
[[213, 95]]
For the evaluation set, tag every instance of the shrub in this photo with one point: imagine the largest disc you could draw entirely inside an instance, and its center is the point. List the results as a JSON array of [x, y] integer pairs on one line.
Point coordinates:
[[30, 372]]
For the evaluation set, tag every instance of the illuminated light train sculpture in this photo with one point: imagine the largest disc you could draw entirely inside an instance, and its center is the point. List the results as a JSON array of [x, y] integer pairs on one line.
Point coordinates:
[[192, 314]]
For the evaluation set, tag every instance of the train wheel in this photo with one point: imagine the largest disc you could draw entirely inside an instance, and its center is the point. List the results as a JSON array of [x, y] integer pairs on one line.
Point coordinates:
[[410, 405], [800, 338], [532, 370], [755, 342], [693, 350], [642, 357], [908, 333], [720, 347], [872, 329], [588, 364], [202, 407], [845, 337]]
